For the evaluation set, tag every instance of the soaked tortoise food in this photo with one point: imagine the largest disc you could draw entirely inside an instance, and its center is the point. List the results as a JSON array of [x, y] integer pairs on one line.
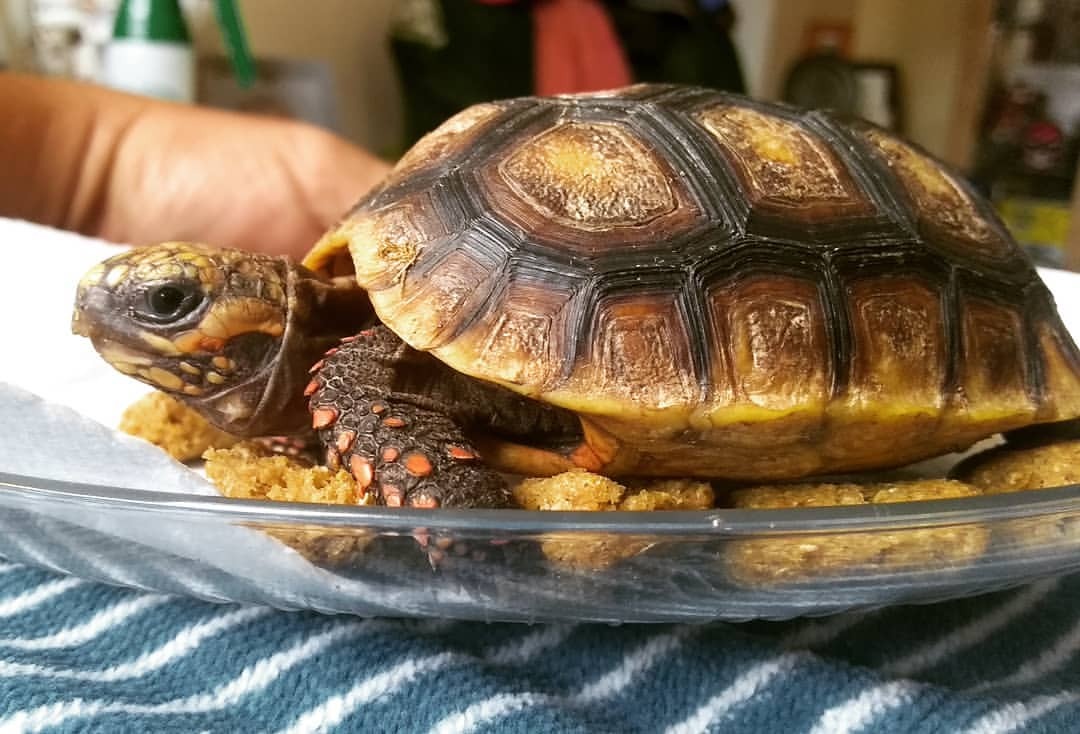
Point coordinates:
[[172, 426], [769, 562]]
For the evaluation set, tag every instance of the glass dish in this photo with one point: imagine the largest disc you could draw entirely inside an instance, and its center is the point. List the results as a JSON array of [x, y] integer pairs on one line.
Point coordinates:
[[492, 565]]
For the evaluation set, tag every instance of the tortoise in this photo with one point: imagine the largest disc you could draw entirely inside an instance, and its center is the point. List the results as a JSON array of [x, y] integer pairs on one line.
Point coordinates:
[[658, 280]]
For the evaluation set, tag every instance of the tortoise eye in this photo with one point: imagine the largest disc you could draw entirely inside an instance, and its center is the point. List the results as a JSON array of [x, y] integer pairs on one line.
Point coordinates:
[[168, 302]]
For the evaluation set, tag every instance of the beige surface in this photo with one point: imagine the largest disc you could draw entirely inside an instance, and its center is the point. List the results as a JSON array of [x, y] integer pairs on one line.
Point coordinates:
[[350, 35], [1072, 244], [940, 47]]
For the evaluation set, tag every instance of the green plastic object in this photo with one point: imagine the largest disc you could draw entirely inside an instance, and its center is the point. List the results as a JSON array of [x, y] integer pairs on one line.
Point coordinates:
[[151, 20], [232, 28]]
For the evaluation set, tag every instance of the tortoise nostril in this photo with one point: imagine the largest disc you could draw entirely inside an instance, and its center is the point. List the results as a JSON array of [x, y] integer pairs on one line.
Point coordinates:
[[91, 305], [79, 325]]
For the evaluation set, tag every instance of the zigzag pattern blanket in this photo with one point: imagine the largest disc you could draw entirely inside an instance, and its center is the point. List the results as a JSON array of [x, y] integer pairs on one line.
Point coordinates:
[[79, 656]]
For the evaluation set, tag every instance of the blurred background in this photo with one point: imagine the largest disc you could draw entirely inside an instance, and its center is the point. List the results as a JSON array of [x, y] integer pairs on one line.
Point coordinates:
[[991, 86]]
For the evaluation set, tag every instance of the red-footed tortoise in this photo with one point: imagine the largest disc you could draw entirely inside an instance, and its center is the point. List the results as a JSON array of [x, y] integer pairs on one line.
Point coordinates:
[[654, 281]]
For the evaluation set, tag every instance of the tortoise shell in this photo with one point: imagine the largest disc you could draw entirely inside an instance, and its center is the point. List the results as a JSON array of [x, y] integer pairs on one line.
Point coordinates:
[[717, 286]]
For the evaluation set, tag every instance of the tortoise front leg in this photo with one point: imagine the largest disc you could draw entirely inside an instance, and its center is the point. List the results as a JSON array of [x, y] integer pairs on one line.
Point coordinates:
[[404, 448]]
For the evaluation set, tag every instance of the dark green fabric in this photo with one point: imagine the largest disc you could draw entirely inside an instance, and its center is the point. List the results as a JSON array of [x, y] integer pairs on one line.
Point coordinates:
[[489, 56], [670, 47]]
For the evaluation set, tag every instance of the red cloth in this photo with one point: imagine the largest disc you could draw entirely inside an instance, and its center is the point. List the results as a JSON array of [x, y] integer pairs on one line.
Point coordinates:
[[575, 47]]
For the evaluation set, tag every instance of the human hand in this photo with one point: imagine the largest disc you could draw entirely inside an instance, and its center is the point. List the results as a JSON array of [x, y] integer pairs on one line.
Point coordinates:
[[135, 170]]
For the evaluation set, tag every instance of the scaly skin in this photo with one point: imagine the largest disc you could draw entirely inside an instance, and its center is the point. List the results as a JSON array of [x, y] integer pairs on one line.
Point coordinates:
[[405, 448]]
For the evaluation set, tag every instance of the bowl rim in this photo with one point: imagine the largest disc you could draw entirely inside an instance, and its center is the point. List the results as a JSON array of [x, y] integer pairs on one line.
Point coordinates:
[[33, 491]]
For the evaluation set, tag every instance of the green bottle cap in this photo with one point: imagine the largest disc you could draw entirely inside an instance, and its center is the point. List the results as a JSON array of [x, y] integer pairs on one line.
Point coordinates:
[[151, 20]]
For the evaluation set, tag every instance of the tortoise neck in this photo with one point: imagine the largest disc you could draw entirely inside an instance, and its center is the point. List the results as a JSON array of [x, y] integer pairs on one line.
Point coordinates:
[[320, 312]]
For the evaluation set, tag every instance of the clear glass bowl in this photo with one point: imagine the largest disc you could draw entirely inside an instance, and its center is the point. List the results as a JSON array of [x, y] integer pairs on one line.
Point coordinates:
[[533, 566]]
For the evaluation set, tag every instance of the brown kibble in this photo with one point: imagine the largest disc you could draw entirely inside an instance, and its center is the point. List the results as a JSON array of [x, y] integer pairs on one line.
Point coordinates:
[[391, 453], [572, 490], [658, 495], [780, 560], [172, 426], [806, 494], [394, 422], [248, 471], [582, 490], [1008, 469]]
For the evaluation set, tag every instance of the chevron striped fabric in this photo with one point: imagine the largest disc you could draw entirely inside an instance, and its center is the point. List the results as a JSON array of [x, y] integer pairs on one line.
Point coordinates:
[[79, 656]]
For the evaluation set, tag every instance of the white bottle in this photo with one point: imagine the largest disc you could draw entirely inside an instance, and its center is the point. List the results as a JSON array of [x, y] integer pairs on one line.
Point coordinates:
[[150, 52]]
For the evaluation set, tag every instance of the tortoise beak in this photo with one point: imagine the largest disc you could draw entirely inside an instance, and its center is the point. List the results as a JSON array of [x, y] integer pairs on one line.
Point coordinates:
[[79, 324], [79, 327], [91, 303]]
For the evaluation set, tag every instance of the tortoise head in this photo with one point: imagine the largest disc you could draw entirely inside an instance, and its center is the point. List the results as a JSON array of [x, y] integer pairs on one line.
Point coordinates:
[[230, 333]]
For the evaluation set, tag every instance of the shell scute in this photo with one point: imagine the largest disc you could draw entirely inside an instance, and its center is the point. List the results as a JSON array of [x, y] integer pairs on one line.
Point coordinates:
[[590, 175], [784, 167], [942, 204]]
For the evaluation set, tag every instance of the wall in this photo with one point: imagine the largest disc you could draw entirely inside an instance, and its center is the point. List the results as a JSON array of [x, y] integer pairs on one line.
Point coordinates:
[[942, 51], [788, 35], [752, 36], [350, 35]]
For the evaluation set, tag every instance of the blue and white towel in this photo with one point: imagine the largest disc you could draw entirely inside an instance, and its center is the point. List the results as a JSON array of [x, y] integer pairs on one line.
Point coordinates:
[[79, 656]]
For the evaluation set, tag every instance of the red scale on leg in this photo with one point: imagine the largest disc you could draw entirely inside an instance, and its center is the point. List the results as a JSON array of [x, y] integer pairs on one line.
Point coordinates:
[[345, 441], [418, 465], [460, 453], [323, 417], [362, 471]]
